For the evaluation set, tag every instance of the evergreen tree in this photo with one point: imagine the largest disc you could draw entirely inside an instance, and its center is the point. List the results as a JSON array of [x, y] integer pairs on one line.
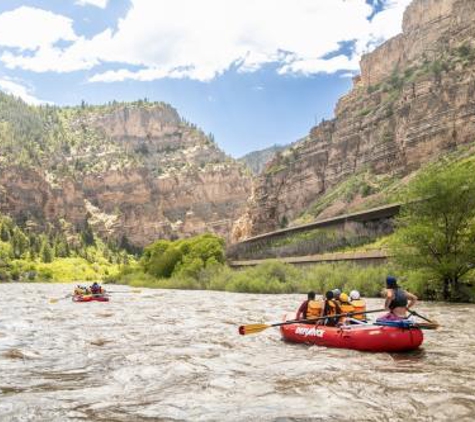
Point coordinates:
[[4, 233], [61, 247], [20, 243], [88, 235], [46, 252]]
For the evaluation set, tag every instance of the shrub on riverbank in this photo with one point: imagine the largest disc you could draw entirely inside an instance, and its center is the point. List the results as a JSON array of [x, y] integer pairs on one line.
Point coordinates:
[[185, 258], [60, 270], [268, 277]]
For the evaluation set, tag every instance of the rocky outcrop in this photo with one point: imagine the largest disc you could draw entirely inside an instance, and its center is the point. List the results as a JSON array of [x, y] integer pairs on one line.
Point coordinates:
[[257, 160], [427, 28], [133, 170], [413, 101]]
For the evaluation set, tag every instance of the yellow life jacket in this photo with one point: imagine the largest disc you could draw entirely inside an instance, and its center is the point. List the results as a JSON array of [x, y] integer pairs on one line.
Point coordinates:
[[359, 305], [314, 309]]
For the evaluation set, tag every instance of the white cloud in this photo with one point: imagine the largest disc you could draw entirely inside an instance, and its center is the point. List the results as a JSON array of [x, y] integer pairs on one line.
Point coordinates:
[[16, 89], [201, 39], [28, 28], [98, 3], [309, 66]]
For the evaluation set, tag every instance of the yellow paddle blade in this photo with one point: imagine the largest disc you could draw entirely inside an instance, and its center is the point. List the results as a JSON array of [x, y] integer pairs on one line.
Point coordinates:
[[53, 300], [252, 328]]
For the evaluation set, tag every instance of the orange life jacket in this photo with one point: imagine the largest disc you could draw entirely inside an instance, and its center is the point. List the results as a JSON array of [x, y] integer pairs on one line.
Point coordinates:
[[359, 305], [330, 307], [314, 309], [346, 307]]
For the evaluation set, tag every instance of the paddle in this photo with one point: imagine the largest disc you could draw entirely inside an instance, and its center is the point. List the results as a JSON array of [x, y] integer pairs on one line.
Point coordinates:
[[430, 325], [56, 300], [426, 325], [257, 328], [129, 291]]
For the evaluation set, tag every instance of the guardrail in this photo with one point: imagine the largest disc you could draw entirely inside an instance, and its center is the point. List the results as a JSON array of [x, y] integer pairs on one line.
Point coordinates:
[[364, 258], [378, 213]]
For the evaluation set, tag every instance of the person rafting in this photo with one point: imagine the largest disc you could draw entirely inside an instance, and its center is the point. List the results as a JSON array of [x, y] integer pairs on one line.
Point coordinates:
[[398, 301], [359, 305], [336, 294], [309, 309], [345, 308], [96, 289], [330, 307], [80, 290]]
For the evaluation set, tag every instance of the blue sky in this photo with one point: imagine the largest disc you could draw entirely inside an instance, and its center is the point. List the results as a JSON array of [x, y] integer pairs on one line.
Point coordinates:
[[252, 72]]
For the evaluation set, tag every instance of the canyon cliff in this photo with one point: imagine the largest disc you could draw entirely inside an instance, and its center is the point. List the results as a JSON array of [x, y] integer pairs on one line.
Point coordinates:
[[413, 101], [134, 171]]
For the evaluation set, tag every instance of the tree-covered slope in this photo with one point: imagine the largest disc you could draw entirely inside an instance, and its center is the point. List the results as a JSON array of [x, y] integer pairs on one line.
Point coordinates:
[[134, 170]]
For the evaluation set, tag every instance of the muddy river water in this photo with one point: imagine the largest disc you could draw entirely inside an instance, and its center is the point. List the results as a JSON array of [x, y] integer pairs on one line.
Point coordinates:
[[163, 355]]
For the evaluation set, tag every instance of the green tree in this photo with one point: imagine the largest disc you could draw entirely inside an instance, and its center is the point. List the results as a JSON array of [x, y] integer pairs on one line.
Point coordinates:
[[61, 248], [46, 252], [87, 235], [20, 243], [4, 233], [164, 264], [164, 258], [284, 222], [154, 252], [436, 229]]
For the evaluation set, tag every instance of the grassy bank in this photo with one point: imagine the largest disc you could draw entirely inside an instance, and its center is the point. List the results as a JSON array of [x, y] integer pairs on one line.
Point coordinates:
[[277, 277], [61, 270], [198, 263]]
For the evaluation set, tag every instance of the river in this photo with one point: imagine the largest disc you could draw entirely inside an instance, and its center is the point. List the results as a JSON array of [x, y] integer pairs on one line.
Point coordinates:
[[165, 355]]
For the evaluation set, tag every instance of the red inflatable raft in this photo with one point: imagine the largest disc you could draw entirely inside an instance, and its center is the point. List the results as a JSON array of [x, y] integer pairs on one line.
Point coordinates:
[[365, 337], [90, 298]]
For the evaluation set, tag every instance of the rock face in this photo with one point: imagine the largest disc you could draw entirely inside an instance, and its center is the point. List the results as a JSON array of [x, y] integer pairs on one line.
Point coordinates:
[[133, 170], [257, 160], [428, 26], [413, 101]]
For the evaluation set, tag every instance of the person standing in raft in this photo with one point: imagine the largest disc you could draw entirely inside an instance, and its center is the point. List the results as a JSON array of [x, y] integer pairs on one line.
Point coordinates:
[[330, 307], [310, 309], [397, 302]]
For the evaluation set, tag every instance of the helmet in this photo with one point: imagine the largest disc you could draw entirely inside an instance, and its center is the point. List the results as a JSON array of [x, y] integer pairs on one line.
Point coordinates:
[[344, 298], [336, 293], [354, 295], [329, 295]]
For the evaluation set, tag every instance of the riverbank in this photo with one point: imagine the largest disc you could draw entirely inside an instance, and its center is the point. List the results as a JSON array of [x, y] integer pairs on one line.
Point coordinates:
[[60, 270], [276, 277]]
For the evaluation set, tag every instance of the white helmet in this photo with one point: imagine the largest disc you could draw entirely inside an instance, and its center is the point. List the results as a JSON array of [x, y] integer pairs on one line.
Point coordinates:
[[354, 295]]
